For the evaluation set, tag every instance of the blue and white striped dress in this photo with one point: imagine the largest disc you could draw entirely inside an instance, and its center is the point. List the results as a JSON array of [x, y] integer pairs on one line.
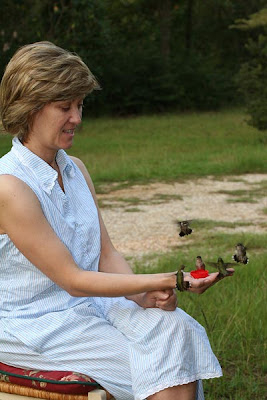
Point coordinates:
[[131, 351]]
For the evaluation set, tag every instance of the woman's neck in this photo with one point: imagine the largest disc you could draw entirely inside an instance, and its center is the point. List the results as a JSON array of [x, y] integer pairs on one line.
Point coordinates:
[[48, 155]]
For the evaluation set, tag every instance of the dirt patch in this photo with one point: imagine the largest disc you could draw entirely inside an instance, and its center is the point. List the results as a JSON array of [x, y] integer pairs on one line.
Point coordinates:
[[141, 219]]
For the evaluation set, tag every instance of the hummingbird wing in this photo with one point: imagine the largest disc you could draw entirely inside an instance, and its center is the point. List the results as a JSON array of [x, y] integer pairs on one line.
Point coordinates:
[[188, 221], [184, 221], [229, 265], [213, 264]]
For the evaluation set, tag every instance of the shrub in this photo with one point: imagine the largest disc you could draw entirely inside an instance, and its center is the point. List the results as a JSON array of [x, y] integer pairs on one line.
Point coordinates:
[[252, 80]]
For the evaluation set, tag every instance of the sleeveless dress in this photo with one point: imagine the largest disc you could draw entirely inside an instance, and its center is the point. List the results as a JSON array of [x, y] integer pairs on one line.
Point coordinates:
[[131, 351]]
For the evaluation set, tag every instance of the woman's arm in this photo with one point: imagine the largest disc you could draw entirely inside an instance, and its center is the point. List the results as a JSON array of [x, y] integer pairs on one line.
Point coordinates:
[[21, 217]]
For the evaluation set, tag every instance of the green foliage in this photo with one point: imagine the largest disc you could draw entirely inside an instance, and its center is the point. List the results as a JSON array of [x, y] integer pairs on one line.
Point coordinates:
[[256, 20], [253, 82], [252, 77], [148, 56]]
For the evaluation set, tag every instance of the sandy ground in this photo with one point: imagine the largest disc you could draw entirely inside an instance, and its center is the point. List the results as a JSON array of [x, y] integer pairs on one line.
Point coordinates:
[[141, 219]]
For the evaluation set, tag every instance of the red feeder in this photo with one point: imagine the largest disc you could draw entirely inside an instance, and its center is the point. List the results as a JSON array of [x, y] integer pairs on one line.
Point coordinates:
[[199, 273]]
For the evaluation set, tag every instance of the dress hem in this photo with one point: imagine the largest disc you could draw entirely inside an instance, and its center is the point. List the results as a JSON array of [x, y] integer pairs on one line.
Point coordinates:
[[177, 382]]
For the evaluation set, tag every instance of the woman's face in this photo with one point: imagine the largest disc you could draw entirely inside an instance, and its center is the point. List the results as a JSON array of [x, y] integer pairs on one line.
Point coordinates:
[[54, 125]]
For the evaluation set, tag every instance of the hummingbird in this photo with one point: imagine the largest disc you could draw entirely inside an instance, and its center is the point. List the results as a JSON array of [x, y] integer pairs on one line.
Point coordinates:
[[200, 271], [240, 254], [181, 285], [199, 263], [221, 266], [184, 228]]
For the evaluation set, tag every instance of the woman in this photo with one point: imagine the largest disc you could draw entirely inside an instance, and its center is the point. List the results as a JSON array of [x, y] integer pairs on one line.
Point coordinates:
[[68, 299]]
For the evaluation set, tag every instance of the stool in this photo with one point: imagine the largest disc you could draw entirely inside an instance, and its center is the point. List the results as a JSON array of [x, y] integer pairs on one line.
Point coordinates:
[[10, 391], [26, 384]]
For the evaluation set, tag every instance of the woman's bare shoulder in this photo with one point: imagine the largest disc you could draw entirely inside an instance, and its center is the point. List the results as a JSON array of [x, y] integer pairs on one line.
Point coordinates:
[[79, 163], [15, 197], [11, 186]]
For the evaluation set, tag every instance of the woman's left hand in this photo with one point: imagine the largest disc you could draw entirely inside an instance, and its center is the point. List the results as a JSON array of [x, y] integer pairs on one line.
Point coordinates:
[[200, 285]]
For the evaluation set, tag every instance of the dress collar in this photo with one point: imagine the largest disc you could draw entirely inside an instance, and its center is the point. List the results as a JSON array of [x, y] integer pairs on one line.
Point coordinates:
[[45, 174]]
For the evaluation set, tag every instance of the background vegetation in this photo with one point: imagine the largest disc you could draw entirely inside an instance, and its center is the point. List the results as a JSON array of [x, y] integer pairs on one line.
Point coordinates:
[[154, 55]]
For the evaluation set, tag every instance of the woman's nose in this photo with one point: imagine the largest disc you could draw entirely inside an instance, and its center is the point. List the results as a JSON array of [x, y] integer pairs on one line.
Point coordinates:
[[76, 116]]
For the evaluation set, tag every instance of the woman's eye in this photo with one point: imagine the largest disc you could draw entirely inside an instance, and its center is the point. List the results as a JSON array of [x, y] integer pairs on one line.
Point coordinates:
[[65, 108]]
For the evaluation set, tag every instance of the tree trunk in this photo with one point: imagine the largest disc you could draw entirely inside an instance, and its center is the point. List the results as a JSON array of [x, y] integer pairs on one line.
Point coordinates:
[[164, 9], [189, 25]]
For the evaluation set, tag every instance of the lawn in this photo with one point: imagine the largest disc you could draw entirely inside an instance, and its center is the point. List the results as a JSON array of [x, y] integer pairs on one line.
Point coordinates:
[[170, 147], [167, 146]]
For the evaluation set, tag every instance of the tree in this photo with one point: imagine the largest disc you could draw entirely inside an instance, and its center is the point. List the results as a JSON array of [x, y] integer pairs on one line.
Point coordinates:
[[148, 55], [252, 76]]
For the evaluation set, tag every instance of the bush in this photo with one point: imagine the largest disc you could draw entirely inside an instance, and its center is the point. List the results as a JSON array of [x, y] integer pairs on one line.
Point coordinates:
[[252, 80]]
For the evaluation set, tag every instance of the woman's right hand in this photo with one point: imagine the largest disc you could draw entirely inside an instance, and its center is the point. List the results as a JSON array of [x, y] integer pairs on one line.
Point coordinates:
[[163, 299]]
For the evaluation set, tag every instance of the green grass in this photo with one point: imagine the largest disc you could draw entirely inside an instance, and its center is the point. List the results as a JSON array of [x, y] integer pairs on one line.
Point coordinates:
[[233, 312], [251, 195], [167, 147], [157, 198]]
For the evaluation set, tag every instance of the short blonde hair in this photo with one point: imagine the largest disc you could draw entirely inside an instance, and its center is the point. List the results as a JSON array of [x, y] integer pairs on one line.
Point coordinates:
[[38, 74]]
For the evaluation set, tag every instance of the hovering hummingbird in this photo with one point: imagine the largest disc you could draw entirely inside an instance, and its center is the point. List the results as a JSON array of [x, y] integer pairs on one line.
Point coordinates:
[[184, 228], [221, 266], [240, 254]]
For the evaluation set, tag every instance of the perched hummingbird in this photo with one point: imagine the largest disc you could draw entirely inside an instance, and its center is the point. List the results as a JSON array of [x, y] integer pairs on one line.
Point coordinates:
[[181, 285], [199, 263], [184, 228], [240, 254], [221, 266], [200, 271]]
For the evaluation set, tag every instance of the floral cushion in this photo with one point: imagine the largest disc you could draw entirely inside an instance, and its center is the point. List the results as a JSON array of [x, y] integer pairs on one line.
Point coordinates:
[[52, 381]]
